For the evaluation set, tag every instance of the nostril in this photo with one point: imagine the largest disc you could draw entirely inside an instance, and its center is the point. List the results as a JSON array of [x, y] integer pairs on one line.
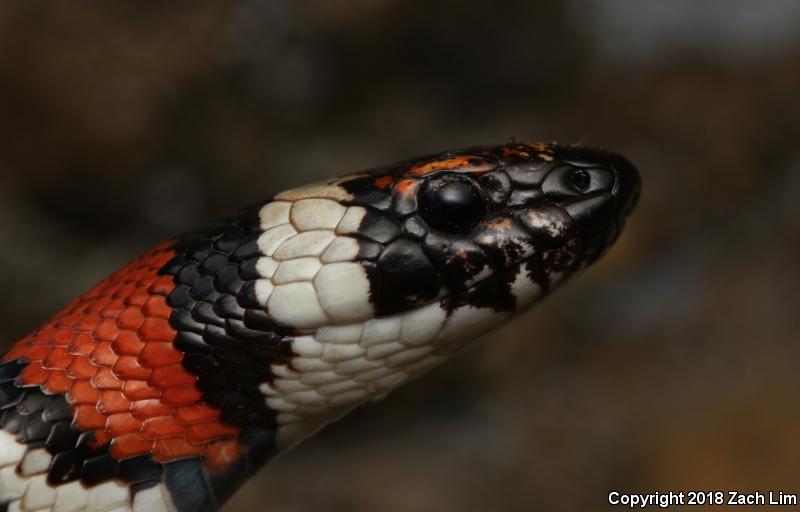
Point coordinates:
[[580, 179]]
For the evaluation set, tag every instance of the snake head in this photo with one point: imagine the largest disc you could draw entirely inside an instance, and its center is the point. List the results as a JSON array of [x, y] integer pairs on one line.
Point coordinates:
[[416, 259]]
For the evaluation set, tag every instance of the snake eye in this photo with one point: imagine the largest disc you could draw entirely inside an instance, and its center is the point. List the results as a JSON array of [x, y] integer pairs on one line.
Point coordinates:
[[452, 203], [580, 180]]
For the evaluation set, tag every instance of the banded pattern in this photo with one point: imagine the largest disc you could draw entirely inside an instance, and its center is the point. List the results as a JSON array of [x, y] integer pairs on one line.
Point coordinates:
[[172, 381]]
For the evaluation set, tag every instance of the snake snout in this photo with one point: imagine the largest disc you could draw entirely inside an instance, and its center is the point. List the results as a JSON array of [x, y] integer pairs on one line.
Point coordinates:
[[596, 188]]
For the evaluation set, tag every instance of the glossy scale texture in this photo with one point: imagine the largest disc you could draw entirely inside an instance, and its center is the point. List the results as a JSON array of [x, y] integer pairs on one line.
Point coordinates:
[[111, 354]]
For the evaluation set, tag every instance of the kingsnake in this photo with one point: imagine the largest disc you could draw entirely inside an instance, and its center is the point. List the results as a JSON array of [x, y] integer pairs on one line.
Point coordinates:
[[173, 380]]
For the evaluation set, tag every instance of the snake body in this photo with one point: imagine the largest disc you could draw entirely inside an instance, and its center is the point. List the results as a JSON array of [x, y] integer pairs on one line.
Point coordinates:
[[173, 380]]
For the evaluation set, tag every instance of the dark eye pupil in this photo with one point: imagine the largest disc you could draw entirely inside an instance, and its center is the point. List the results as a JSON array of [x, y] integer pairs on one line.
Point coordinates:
[[580, 179], [452, 204]]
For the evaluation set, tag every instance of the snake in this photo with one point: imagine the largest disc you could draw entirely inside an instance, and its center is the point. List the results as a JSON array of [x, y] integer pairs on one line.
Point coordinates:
[[171, 382]]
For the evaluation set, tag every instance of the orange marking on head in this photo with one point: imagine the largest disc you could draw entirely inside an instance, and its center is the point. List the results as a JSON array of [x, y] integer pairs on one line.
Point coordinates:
[[462, 163], [384, 181], [406, 187], [541, 147], [514, 151]]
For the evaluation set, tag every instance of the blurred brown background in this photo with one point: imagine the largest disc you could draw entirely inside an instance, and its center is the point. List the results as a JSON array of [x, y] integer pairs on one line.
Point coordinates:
[[671, 365]]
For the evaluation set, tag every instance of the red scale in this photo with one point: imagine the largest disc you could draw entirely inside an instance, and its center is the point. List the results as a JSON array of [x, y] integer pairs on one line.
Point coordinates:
[[111, 354]]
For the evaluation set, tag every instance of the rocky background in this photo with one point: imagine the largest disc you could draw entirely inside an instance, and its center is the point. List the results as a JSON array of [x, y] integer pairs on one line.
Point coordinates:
[[671, 365]]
